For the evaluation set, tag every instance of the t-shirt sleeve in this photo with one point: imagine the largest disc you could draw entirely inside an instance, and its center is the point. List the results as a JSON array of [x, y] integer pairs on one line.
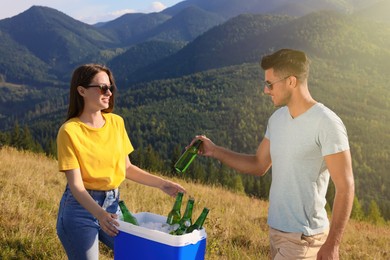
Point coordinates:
[[67, 159], [333, 136], [266, 135]]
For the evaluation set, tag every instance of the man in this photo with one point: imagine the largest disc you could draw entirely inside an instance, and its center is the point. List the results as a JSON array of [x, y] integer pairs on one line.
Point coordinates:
[[305, 143]]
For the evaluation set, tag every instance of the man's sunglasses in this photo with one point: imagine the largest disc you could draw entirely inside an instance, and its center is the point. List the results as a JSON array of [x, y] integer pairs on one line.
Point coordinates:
[[269, 85], [103, 88]]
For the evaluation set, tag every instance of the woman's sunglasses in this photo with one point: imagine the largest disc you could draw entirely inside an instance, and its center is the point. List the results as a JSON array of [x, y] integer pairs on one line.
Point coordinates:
[[103, 88]]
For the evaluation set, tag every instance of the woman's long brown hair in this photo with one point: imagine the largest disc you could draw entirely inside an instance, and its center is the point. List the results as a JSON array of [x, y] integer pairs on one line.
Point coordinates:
[[82, 76]]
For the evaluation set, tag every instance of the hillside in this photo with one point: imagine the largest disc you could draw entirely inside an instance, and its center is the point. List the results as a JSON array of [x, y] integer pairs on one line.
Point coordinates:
[[211, 84], [32, 185], [231, 8], [139, 56], [349, 40], [55, 38], [185, 26], [25, 67], [41, 45], [223, 45], [227, 105], [131, 27]]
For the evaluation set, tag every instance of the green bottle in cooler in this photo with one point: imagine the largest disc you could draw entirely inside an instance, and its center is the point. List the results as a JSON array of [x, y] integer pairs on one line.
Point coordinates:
[[199, 222], [186, 220], [187, 157], [174, 215], [180, 231], [127, 216]]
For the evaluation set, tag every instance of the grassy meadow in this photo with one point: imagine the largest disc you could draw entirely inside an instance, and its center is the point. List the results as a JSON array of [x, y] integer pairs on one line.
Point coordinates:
[[31, 187]]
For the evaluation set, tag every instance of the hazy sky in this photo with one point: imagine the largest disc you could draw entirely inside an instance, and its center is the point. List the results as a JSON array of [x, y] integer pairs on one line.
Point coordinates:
[[88, 11]]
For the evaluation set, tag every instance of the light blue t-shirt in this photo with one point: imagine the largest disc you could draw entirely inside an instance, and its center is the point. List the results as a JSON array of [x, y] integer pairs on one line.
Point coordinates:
[[299, 174]]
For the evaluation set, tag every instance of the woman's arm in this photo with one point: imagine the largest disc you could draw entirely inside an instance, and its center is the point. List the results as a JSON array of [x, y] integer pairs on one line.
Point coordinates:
[[138, 175], [76, 185]]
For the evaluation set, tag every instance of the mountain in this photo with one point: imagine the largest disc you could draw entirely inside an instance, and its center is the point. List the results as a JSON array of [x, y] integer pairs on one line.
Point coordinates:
[[186, 25], [60, 43], [231, 8], [130, 28], [52, 43], [139, 56], [223, 45], [173, 88], [56, 39], [245, 38], [226, 104], [18, 64], [48, 32]]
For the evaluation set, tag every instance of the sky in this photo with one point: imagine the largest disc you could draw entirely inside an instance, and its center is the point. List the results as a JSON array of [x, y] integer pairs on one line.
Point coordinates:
[[88, 11]]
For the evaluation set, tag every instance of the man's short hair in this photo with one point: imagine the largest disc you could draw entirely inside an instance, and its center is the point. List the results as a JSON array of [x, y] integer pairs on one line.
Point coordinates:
[[287, 62]]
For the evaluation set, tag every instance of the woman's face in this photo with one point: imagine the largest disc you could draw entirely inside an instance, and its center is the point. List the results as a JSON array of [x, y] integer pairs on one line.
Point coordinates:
[[94, 98]]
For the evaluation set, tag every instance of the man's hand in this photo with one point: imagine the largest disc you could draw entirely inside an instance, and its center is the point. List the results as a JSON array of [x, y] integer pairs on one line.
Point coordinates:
[[328, 252]]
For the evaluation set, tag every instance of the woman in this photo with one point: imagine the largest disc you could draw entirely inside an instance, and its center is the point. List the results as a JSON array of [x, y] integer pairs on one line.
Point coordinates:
[[93, 149]]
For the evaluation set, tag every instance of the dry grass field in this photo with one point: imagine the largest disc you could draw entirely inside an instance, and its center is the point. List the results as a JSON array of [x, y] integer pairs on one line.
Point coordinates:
[[31, 187]]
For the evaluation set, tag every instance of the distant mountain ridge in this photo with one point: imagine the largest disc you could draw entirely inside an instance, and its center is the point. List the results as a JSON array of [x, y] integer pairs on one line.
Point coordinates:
[[231, 8], [53, 37], [245, 38], [130, 28], [46, 32], [60, 42]]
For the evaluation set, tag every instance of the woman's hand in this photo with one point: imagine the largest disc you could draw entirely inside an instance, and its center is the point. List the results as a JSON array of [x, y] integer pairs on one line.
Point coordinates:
[[171, 188], [140, 176], [108, 223]]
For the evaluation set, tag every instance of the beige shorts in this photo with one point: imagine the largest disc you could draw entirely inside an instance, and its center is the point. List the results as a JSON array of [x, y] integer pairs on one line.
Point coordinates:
[[295, 245]]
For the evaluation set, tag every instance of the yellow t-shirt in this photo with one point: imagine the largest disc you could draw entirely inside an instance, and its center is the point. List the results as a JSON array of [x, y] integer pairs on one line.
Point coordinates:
[[99, 153]]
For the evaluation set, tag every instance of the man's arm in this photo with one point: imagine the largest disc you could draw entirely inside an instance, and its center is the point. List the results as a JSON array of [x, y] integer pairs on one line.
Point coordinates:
[[340, 170], [255, 164]]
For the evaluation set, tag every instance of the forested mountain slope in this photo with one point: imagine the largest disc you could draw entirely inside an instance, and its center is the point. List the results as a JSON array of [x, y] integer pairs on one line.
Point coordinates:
[[170, 91]]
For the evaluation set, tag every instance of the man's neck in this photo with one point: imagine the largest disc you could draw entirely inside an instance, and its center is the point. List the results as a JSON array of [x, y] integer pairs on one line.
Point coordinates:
[[301, 102]]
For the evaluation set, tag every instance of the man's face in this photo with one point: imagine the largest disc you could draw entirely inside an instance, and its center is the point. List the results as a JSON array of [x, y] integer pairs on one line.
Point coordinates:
[[276, 87]]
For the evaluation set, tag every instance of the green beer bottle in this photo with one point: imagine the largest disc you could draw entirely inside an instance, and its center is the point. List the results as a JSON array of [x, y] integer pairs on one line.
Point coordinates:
[[186, 220], [180, 231], [127, 216], [187, 216], [187, 157], [174, 215], [199, 222]]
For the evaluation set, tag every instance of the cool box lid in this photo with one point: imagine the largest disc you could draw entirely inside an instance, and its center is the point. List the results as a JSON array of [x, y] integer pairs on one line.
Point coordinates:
[[159, 236]]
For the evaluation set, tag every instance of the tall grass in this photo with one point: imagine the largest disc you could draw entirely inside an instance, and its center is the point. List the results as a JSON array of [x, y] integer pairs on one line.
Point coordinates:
[[31, 187]]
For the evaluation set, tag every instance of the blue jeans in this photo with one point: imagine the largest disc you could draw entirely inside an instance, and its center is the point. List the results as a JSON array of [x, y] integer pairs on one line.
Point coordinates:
[[78, 230]]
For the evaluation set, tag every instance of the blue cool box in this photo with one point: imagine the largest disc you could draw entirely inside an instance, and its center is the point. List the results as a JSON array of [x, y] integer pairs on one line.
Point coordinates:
[[135, 242]]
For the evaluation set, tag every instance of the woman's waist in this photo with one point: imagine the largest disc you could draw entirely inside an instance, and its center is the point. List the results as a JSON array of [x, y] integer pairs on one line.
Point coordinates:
[[106, 193]]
